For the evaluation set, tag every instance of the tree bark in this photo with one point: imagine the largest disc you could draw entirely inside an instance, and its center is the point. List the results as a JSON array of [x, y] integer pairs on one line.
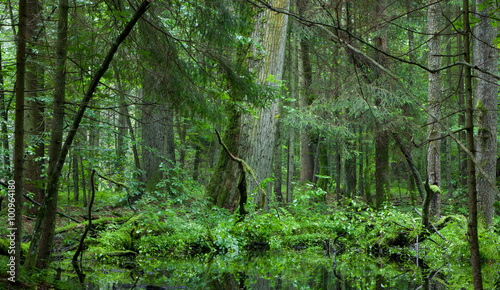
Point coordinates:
[[278, 164], [258, 134], [17, 226], [305, 79], [382, 190], [485, 55], [50, 199], [471, 172], [4, 118], [434, 105], [381, 169], [222, 188], [34, 119], [76, 188]]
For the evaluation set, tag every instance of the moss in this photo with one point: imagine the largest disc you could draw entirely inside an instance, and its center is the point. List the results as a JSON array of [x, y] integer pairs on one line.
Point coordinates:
[[434, 189]]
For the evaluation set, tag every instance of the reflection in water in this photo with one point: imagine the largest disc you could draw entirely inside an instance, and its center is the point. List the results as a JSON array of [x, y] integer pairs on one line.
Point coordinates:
[[287, 271]]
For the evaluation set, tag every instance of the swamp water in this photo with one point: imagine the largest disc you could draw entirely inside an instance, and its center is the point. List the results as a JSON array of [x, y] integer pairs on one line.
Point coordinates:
[[290, 270]]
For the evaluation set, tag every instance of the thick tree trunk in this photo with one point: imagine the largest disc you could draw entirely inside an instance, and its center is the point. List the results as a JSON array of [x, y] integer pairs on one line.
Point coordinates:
[[434, 106], [258, 134], [153, 134], [485, 55], [222, 188]]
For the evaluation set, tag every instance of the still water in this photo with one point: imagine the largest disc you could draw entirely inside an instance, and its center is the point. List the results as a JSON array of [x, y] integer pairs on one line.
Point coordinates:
[[297, 270]]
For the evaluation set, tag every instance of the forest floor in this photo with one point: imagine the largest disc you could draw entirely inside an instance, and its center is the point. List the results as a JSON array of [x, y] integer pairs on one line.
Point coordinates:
[[176, 229]]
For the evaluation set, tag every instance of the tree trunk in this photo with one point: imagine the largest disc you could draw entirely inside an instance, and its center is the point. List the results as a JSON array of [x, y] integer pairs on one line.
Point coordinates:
[[485, 55], [153, 134], [382, 190], [290, 167], [278, 164], [76, 188], [222, 188], [434, 106], [258, 134], [48, 224], [361, 177], [84, 183], [34, 119], [471, 172], [338, 172], [121, 144], [3, 119], [17, 194], [196, 161], [128, 125], [305, 79], [381, 169], [462, 156]]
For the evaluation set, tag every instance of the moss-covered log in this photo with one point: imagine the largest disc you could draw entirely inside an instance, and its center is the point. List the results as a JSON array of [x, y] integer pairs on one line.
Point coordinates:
[[97, 223]]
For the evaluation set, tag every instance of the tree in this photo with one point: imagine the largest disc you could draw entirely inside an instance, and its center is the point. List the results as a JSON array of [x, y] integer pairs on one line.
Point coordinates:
[[485, 58], [258, 132], [381, 137], [51, 198], [471, 167], [305, 79], [434, 105], [39, 254], [34, 120], [17, 227]]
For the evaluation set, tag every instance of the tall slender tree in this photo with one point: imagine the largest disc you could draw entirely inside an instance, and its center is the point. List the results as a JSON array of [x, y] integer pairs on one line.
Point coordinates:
[[434, 104], [19, 135], [472, 231]]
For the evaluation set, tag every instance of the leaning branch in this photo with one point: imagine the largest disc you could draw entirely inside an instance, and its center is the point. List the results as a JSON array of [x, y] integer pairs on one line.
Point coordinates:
[[38, 204]]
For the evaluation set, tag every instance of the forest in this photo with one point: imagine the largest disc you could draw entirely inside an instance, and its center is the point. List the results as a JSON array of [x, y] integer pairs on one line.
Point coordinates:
[[249, 144]]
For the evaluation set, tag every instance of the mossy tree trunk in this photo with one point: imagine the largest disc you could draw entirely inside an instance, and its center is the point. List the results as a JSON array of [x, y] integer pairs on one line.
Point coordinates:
[[222, 187], [485, 55]]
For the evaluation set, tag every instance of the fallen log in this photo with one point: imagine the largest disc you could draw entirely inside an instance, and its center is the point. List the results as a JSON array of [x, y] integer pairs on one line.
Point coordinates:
[[98, 222]]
